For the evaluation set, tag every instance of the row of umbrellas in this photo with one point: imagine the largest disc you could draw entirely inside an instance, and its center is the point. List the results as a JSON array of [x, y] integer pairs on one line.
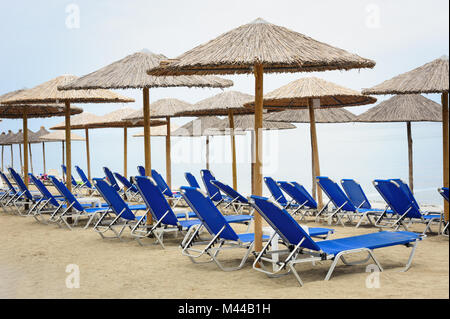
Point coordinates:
[[255, 48]]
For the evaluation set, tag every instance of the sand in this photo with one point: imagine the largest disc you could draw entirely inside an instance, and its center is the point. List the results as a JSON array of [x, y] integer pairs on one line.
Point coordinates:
[[34, 257]]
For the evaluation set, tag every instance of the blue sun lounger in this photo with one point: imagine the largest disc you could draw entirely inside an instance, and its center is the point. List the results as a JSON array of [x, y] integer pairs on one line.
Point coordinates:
[[304, 203], [130, 191], [9, 194], [123, 213], [111, 179], [224, 237], [398, 198], [238, 202], [165, 189], [301, 248], [24, 197], [141, 170], [192, 181], [74, 208], [86, 184], [356, 194], [343, 205], [73, 181], [277, 194], [213, 191], [444, 193]]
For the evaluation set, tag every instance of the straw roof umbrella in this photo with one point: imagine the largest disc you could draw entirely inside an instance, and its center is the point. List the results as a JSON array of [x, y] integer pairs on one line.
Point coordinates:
[[13, 105], [431, 77], [226, 103], [404, 108], [19, 139], [314, 93], [203, 126], [130, 73], [256, 48], [48, 92], [7, 141]]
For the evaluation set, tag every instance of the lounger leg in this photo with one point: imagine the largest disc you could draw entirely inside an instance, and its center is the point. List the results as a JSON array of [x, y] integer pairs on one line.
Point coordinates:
[[340, 256], [297, 276], [411, 256]]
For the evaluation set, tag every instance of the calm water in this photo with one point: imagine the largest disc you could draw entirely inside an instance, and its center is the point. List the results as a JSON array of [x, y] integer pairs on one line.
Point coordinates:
[[360, 151]]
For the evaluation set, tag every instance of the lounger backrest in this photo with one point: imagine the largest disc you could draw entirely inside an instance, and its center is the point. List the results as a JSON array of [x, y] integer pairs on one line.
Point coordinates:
[[192, 181], [405, 188], [155, 200], [297, 192], [444, 192], [111, 179], [165, 189], [64, 191], [44, 191], [114, 200], [283, 223], [208, 213], [83, 176], [19, 181], [335, 194], [212, 190], [141, 170], [275, 190], [8, 183], [396, 198], [125, 182], [227, 189], [355, 193], [73, 181]]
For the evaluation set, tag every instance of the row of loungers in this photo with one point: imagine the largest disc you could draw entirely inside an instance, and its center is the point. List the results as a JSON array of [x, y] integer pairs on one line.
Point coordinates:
[[115, 215]]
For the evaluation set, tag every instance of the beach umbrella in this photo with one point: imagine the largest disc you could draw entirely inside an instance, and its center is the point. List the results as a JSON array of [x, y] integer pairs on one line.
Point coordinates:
[[404, 108], [257, 48], [226, 103], [163, 109], [7, 141], [60, 136], [13, 105], [203, 126], [431, 77], [79, 122], [313, 94], [36, 139], [19, 139], [130, 73], [48, 92]]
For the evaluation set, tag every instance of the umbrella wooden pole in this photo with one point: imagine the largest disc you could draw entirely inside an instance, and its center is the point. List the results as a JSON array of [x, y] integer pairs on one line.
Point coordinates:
[[63, 159], [88, 155], [445, 134], [168, 157], [233, 148], [315, 153], [257, 176], [68, 148], [125, 150], [43, 157], [147, 146], [25, 147], [410, 156], [3, 146], [12, 156], [20, 157], [31, 158], [207, 152]]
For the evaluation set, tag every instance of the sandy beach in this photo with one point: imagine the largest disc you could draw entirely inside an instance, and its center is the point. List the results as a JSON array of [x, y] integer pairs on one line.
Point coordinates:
[[34, 257]]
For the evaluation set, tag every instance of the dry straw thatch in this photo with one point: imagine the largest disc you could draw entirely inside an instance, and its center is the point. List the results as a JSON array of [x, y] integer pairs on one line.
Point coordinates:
[[159, 130], [220, 104], [404, 108], [48, 92], [247, 123], [297, 93], [2, 138], [331, 115], [277, 48], [80, 121], [7, 140], [203, 126], [60, 136], [431, 77], [130, 72], [18, 137], [160, 108]]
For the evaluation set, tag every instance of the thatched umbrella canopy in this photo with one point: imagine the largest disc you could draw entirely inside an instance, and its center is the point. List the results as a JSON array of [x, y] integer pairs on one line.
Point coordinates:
[[431, 77], [130, 73], [226, 103], [29, 109], [203, 126], [332, 115], [48, 92], [404, 108], [313, 94], [256, 48]]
